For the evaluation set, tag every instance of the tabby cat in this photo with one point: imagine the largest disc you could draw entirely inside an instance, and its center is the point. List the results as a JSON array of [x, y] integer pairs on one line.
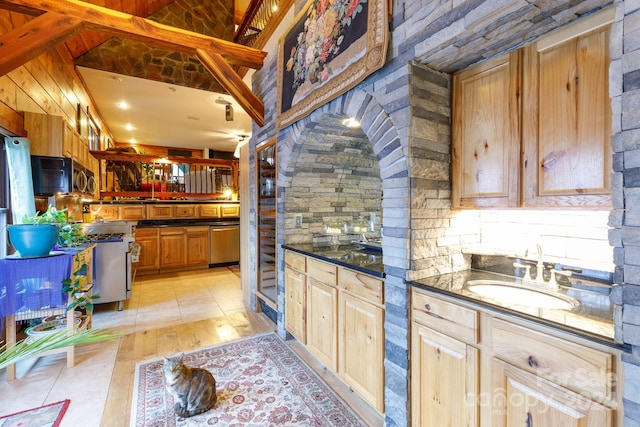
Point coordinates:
[[194, 389]]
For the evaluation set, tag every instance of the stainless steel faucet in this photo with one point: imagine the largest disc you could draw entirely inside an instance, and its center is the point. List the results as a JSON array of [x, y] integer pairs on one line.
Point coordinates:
[[552, 282]]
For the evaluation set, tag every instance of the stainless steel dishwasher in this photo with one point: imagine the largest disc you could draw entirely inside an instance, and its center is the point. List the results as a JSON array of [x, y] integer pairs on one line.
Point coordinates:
[[224, 243]]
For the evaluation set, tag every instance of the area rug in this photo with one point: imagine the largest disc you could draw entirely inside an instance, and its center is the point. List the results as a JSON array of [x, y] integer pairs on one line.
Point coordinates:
[[43, 416], [260, 381]]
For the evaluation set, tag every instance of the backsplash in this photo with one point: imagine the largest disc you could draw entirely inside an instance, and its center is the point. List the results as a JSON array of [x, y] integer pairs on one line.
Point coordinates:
[[577, 238]]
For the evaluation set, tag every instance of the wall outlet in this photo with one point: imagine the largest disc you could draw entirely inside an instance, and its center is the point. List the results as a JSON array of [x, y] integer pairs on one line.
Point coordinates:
[[297, 221]]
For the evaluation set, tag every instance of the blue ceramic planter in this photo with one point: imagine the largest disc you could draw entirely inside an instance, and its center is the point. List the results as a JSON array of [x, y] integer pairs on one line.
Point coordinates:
[[33, 240]]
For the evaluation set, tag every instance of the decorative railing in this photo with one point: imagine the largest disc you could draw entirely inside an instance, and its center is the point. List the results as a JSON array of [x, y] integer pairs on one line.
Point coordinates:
[[140, 176], [260, 20]]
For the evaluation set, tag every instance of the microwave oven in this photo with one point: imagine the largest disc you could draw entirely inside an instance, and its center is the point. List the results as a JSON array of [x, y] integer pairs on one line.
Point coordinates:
[[51, 175]]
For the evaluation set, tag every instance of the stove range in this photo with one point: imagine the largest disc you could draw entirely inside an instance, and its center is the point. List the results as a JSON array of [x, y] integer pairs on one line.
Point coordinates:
[[112, 259]]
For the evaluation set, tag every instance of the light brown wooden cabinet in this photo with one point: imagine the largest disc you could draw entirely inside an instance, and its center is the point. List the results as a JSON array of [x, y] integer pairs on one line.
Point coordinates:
[[566, 126], [149, 259], [322, 312], [445, 375], [295, 279], [473, 367], [532, 128], [208, 211], [173, 247], [197, 240], [159, 211], [523, 398], [132, 212], [339, 314], [54, 136]]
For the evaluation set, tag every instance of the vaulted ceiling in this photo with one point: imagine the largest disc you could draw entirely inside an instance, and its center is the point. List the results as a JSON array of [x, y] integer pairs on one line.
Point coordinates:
[[182, 42]]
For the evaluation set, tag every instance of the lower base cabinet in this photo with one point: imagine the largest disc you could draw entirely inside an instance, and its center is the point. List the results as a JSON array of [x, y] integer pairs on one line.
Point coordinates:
[[172, 248], [471, 367], [338, 313], [444, 375]]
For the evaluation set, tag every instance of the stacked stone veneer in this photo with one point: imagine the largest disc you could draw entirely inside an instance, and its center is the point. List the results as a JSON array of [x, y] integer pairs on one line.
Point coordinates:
[[405, 114], [124, 56], [333, 177], [625, 216]]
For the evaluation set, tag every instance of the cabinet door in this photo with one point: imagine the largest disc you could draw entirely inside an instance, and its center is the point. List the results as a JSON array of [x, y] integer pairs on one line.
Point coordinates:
[[197, 246], [523, 399], [295, 285], [322, 322], [173, 251], [486, 134], [147, 238], [361, 346], [444, 380], [567, 122]]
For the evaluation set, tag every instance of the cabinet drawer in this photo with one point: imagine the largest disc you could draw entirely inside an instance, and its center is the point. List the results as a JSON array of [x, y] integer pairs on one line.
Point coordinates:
[[322, 271], [362, 285], [574, 366], [208, 211], [159, 211], [132, 212], [229, 211], [445, 317], [295, 261], [188, 211]]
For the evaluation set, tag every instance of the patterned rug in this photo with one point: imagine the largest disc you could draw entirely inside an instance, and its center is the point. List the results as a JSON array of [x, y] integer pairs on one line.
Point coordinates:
[[260, 381], [44, 416]]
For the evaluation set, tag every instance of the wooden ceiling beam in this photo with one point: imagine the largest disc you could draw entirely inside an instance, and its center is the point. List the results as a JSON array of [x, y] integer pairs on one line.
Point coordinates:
[[145, 30], [229, 79], [34, 38]]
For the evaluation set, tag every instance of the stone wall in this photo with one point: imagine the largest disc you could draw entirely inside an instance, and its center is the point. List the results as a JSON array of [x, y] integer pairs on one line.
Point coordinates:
[[625, 216], [405, 113]]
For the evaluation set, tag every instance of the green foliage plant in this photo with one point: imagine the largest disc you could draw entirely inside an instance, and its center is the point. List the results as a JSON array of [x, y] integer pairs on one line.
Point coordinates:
[[70, 233]]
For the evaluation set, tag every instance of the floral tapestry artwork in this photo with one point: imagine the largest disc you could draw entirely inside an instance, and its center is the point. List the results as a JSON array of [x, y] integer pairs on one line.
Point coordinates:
[[331, 46]]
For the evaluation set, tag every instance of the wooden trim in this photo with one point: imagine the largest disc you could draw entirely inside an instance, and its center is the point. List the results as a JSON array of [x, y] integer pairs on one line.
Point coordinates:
[[232, 82], [576, 29], [34, 38], [145, 30]]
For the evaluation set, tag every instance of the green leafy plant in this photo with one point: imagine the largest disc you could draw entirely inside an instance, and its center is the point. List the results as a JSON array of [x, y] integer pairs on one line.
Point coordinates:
[[70, 234], [76, 286], [58, 339]]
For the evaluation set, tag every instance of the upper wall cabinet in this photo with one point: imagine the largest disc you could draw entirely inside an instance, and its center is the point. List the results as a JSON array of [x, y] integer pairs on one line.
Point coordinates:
[[486, 134], [551, 147], [566, 126]]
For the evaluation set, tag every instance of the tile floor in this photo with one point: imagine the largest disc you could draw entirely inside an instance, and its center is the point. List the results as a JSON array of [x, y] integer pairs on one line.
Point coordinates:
[[157, 301]]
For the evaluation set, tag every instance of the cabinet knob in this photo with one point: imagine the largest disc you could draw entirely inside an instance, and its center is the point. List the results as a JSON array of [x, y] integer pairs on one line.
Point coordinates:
[[532, 362]]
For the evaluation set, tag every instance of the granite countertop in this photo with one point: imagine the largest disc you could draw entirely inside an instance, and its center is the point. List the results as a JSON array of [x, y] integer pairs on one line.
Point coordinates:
[[591, 319], [367, 261]]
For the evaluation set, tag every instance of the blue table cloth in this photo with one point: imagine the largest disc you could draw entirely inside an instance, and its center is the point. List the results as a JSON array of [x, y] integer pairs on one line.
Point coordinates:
[[32, 284]]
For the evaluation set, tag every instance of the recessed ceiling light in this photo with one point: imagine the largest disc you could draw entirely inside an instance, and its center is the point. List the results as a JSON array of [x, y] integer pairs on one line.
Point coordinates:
[[351, 122], [275, 7], [123, 105], [129, 126], [116, 78], [132, 141]]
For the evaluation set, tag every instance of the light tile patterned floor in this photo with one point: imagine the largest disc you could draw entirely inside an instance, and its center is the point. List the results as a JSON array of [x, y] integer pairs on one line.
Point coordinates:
[[157, 301]]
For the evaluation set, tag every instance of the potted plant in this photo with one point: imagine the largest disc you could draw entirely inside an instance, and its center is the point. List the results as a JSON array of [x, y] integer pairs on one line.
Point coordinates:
[[39, 234]]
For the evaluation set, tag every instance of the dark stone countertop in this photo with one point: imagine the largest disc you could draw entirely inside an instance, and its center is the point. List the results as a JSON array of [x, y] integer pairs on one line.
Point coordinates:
[[164, 202], [367, 261], [591, 319]]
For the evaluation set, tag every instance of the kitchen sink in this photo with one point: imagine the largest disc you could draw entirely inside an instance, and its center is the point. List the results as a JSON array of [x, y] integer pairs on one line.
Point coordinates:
[[515, 293]]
